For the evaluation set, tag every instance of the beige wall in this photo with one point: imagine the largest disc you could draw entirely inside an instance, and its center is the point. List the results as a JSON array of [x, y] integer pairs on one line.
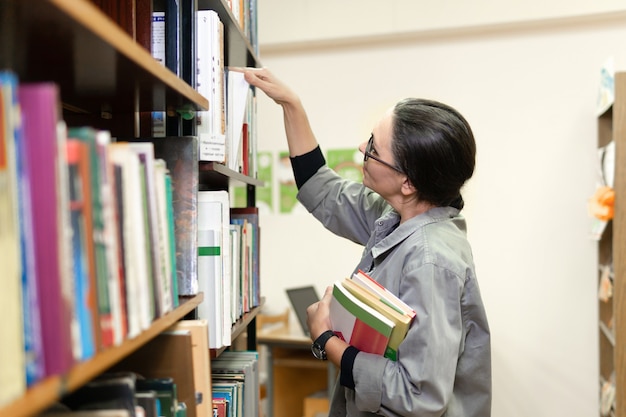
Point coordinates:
[[529, 92], [303, 21]]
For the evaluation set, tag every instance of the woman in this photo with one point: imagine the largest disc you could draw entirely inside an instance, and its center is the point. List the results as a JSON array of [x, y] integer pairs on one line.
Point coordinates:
[[406, 215]]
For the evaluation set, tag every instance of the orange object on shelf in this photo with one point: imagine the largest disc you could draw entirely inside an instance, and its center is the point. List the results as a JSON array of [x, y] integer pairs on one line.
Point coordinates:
[[601, 204]]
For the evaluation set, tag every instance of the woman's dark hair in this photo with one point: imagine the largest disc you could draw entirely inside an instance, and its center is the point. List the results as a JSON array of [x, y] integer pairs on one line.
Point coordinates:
[[434, 145]]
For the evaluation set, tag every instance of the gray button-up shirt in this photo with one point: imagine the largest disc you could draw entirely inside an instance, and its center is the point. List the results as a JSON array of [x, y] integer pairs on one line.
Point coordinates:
[[444, 364]]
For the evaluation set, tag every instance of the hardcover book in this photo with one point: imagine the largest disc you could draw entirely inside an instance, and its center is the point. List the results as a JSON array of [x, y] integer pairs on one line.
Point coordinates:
[[130, 198], [40, 121], [217, 222], [12, 353], [96, 249], [80, 212], [161, 283], [169, 356], [181, 158], [107, 391], [357, 323], [401, 321], [250, 217], [201, 362]]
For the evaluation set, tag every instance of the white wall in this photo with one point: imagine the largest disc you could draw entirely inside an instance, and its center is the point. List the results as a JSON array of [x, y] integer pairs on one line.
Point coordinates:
[[320, 21], [529, 93]]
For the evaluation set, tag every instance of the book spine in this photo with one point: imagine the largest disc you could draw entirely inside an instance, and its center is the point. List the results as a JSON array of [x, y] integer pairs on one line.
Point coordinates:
[[39, 103], [12, 377], [86, 310]]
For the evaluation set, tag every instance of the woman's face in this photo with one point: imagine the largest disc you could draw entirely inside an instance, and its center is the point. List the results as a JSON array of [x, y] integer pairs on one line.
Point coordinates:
[[378, 173]]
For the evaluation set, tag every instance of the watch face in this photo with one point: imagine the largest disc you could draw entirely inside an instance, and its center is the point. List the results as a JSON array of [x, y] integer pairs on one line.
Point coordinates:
[[318, 352]]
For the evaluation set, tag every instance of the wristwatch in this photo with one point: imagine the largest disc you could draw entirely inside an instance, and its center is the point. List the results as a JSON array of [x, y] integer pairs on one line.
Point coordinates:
[[320, 343]]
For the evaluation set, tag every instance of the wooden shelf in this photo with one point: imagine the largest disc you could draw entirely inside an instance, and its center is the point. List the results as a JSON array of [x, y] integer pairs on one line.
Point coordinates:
[[43, 394], [99, 67], [612, 251], [218, 176], [238, 328]]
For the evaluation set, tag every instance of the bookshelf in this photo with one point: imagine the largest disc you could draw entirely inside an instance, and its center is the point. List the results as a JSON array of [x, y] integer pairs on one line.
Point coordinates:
[[107, 80], [612, 253], [49, 390]]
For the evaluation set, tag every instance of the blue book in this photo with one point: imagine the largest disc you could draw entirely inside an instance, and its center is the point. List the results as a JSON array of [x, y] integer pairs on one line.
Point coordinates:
[[32, 345]]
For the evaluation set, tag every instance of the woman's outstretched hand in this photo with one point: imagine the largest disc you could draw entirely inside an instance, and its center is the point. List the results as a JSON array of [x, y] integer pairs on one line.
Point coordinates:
[[263, 79]]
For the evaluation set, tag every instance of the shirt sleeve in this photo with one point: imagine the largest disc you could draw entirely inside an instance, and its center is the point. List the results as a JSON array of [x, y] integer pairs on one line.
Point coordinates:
[[306, 165], [347, 363]]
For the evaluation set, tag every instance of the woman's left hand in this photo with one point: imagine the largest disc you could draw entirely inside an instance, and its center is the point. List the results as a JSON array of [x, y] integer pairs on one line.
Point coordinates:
[[318, 315]]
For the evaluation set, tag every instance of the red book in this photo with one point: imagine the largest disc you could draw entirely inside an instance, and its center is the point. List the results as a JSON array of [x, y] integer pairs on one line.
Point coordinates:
[[220, 407], [40, 118], [357, 323]]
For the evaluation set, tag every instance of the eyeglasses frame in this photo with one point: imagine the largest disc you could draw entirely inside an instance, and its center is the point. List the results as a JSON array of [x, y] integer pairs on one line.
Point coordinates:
[[367, 153]]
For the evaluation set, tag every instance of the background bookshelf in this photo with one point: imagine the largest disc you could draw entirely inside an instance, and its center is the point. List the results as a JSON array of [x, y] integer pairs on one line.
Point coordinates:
[[612, 261], [107, 79]]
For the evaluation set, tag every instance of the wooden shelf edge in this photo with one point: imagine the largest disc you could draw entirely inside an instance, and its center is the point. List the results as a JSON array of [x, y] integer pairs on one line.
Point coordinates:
[[238, 328], [46, 392], [92, 19], [221, 169]]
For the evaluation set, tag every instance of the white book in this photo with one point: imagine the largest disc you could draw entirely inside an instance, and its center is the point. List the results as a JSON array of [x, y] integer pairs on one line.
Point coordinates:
[[209, 84], [210, 262], [103, 140], [162, 302], [235, 238], [237, 96], [221, 223], [160, 173], [138, 283]]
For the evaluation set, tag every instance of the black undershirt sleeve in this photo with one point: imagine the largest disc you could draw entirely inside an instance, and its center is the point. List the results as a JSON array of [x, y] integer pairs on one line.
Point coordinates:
[[306, 165], [346, 378]]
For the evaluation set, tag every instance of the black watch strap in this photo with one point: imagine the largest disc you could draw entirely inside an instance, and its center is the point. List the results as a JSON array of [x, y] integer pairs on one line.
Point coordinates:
[[319, 345]]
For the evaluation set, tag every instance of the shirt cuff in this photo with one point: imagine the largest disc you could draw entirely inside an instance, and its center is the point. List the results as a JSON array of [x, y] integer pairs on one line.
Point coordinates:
[[306, 165], [346, 378]]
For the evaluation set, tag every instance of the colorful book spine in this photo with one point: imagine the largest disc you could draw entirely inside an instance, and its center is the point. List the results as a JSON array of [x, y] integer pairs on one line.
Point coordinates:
[[99, 266], [181, 157], [40, 117], [111, 240], [33, 349], [12, 354], [79, 204]]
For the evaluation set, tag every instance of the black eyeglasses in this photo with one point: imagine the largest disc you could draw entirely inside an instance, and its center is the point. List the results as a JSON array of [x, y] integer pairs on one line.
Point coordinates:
[[368, 154]]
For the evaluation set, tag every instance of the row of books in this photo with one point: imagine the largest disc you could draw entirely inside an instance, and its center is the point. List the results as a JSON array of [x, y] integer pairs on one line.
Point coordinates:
[[235, 384], [123, 394], [245, 13], [228, 249], [88, 230], [368, 316], [227, 130], [99, 236]]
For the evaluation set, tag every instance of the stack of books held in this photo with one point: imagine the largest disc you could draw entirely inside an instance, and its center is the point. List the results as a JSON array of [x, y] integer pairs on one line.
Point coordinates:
[[368, 316]]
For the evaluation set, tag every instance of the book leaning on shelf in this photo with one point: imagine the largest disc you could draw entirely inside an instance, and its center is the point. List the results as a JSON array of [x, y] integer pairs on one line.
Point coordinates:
[[369, 317]]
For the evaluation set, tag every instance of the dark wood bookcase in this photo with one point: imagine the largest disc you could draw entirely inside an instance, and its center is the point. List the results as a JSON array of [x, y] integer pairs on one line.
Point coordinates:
[[107, 79]]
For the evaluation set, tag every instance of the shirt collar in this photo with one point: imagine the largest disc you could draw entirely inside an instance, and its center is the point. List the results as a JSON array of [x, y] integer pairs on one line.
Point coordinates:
[[390, 233]]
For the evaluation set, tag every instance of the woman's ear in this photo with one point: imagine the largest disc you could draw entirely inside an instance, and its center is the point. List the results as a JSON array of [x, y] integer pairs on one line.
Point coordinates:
[[407, 187]]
